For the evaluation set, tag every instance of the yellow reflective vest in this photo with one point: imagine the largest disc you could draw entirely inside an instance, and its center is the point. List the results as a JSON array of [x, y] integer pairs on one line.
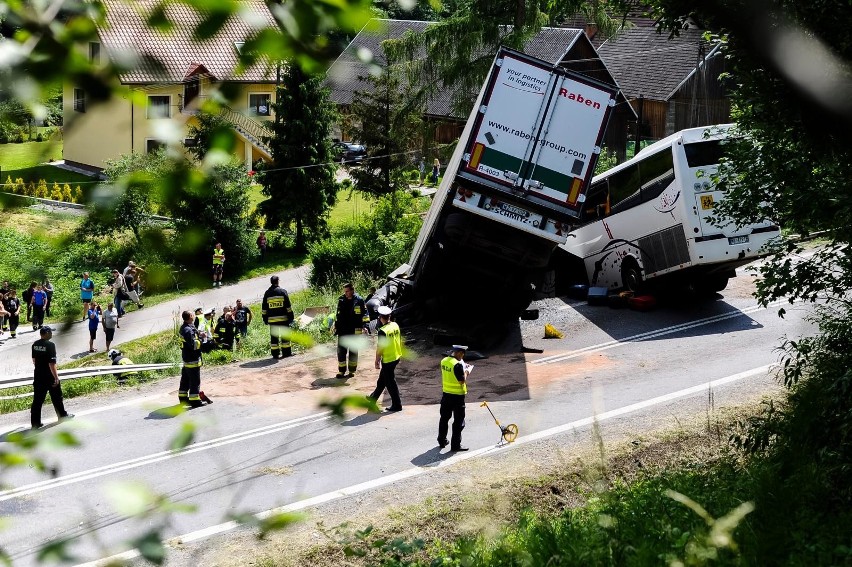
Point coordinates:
[[218, 256], [391, 343], [451, 384]]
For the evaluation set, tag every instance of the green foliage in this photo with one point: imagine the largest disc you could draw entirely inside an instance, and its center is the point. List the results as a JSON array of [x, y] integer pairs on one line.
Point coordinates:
[[388, 121], [212, 131], [375, 246], [300, 181]]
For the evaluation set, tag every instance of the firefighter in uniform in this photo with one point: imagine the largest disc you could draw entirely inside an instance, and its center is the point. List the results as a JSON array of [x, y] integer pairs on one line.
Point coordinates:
[[190, 374], [277, 312], [118, 359], [225, 331], [350, 319], [388, 353], [454, 381], [45, 378]]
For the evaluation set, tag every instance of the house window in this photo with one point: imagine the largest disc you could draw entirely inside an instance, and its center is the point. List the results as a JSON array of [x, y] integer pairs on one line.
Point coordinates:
[[94, 52], [159, 106], [152, 146], [79, 100], [259, 104]]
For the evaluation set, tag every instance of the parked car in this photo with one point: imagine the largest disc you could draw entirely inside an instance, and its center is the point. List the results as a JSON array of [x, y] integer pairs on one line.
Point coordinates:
[[347, 152]]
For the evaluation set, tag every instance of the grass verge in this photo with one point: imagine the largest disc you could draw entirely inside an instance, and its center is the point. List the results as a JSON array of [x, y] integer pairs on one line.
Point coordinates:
[[163, 347]]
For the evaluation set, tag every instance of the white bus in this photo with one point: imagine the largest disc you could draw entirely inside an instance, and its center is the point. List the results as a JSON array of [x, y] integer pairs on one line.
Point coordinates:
[[645, 221]]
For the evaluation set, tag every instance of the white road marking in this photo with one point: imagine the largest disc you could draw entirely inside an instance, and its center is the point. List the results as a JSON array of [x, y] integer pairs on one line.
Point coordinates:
[[653, 334], [157, 457], [416, 471]]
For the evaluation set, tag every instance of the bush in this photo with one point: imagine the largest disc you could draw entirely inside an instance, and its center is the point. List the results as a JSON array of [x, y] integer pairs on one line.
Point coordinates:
[[375, 246]]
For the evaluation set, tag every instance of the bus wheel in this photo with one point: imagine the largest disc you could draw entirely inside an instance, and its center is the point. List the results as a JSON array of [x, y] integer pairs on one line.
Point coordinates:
[[631, 275], [711, 285]]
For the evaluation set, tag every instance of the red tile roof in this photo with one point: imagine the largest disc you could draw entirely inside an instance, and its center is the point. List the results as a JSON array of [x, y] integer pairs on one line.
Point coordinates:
[[171, 57]]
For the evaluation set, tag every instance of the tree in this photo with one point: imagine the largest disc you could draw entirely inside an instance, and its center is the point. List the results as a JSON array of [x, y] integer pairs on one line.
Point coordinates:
[[211, 131], [126, 203], [388, 123], [300, 182], [455, 53]]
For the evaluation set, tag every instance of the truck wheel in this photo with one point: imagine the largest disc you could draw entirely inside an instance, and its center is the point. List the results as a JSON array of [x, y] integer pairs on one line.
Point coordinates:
[[631, 275]]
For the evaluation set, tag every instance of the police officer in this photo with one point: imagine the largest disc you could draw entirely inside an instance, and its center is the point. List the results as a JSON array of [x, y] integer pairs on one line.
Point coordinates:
[[118, 359], [190, 374], [388, 353], [350, 319], [277, 312], [454, 374], [45, 378]]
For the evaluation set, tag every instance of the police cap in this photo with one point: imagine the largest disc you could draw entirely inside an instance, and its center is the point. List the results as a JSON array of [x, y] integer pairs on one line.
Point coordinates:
[[459, 347], [385, 310]]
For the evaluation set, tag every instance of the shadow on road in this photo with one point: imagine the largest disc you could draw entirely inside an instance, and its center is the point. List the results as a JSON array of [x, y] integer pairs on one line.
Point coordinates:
[[363, 419], [430, 458], [262, 363], [167, 412]]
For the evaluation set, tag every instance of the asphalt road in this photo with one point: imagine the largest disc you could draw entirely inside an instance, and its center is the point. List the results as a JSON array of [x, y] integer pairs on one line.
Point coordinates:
[[257, 452], [72, 341]]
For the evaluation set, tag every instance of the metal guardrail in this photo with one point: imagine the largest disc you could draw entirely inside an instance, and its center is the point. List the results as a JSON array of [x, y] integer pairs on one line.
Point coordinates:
[[72, 373]]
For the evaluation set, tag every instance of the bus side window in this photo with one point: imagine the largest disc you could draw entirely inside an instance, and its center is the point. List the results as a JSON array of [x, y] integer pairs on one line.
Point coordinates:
[[657, 172], [624, 189]]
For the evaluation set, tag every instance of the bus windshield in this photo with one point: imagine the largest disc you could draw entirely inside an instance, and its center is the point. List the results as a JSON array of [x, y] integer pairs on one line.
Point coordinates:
[[702, 154]]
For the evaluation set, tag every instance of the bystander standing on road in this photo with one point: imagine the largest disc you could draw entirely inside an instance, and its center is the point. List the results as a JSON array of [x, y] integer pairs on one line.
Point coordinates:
[[13, 306], [262, 243], [109, 319], [48, 290], [94, 323], [45, 379], [218, 264], [87, 291], [190, 374], [277, 312], [27, 296], [242, 319], [350, 320], [4, 313], [388, 353], [454, 373], [119, 289], [4, 291], [39, 302]]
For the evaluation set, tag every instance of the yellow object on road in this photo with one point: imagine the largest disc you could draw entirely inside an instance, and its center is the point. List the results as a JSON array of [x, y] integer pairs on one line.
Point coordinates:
[[551, 332]]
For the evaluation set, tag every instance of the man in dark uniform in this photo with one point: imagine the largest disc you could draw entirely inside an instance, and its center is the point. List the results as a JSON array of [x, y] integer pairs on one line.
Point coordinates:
[[45, 378], [278, 314], [190, 374], [388, 353], [225, 331], [454, 374], [350, 320], [13, 306]]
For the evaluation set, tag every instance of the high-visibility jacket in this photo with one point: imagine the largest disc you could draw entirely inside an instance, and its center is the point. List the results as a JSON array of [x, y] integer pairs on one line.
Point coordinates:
[[218, 256], [122, 361], [390, 342], [451, 384], [276, 308]]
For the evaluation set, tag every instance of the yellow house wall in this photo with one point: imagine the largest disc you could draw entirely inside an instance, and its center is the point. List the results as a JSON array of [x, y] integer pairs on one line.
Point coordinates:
[[108, 130]]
